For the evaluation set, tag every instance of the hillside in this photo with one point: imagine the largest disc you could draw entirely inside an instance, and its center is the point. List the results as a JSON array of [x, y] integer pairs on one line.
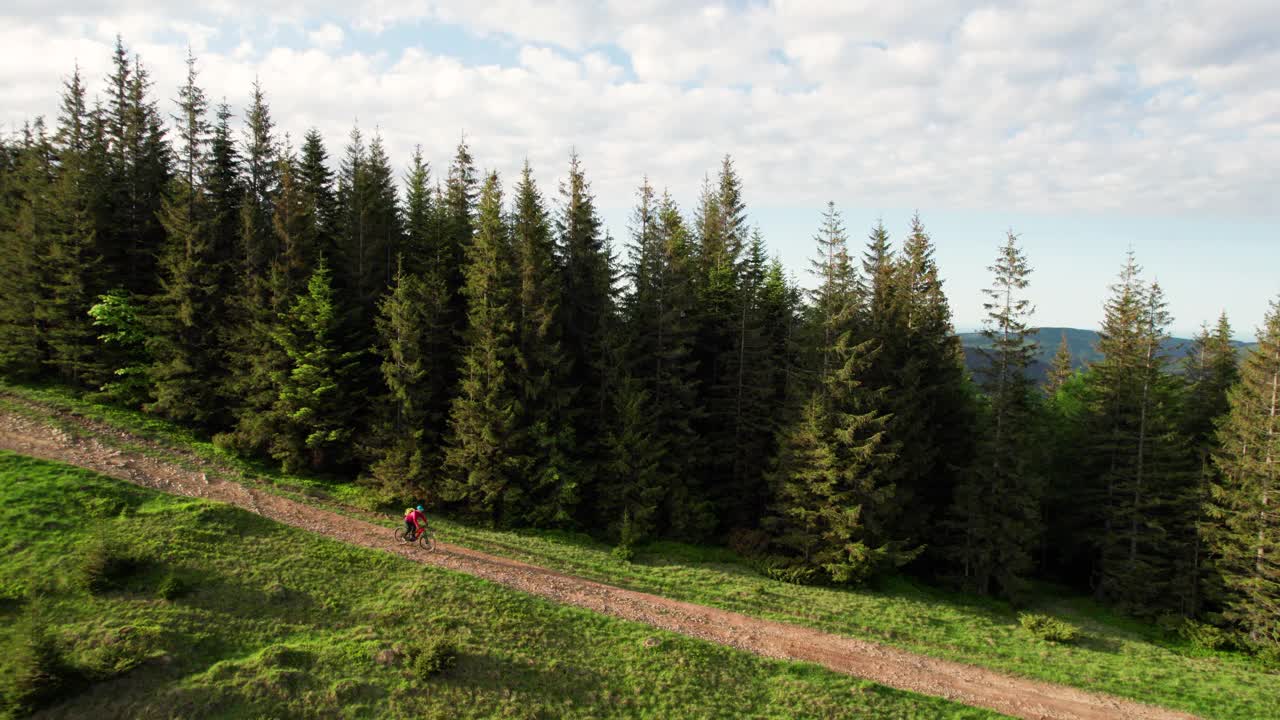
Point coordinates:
[[268, 621], [1082, 343]]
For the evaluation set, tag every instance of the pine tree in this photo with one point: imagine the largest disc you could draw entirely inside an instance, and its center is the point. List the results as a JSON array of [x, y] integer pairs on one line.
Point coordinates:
[[997, 506], [71, 263], [655, 352], [833, 496], [544, 393], [224, 193], [182, 339], [932, 405], [312, 405], [371, 224], [458, 212], [1061, 369], [138, 178], [1243, 531], [1210, 370], [832, 499], [482, 459], [316, 179], [633, 454], [412, 330], [586, 309], [27, 186], [255, 358], [1141, 463]]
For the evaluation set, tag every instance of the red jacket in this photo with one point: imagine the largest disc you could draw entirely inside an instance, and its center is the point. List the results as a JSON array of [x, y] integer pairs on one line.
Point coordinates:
[[417, 517]]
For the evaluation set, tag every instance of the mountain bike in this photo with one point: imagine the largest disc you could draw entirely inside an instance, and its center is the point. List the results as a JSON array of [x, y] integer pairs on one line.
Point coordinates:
[[425, 539]]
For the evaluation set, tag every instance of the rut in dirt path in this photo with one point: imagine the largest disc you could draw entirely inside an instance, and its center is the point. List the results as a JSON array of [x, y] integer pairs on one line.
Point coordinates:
[[889, 666]]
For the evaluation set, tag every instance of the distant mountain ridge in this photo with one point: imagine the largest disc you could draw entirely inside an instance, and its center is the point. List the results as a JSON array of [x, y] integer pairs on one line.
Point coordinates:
[[1082, 343]]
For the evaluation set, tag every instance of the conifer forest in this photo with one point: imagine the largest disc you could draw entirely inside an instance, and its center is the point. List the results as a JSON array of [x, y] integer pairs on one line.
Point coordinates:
[[480, 344]]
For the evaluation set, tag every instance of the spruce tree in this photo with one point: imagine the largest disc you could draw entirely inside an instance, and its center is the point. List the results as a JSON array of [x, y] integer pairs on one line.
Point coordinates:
[[1209, 370], [832, 495], [317, 180], [138, 178], [71, 264], [544, 393], [412, 332], [312, 407], [1243, 531], [1142, 467], [27, 187], [483, 462], [996, 511], [633, 454], [458, 212], [655, 351], [586, 310], [932, 403], [1061, 369], [182, 338]]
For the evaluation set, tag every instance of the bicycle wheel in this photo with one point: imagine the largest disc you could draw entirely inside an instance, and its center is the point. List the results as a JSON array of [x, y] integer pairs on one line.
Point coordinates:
[[400, 535], [427, 541]]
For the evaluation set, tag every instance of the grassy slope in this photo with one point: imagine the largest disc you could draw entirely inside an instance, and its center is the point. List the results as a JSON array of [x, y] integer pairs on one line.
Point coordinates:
[[286, 624], [1117, 655]]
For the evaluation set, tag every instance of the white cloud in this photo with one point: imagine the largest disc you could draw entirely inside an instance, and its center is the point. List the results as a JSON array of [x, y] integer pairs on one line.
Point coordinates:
[[327, 37], [1022, 105]]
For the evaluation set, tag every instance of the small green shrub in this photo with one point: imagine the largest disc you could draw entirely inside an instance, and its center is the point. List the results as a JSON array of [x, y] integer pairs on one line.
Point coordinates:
[[1048, 628], [788, 571], [108, 565], [1205, 636], [623, 553], [438, 655], [172, 587]]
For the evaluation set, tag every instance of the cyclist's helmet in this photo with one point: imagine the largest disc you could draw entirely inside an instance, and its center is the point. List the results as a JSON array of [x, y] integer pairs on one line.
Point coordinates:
[[421, 509]]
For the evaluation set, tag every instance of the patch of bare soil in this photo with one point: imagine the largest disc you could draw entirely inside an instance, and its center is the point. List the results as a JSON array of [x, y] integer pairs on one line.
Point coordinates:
[[889, 666]]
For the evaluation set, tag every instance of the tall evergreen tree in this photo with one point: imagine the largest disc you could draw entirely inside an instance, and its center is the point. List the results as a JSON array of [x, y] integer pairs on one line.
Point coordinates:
[[483, 461], [586, 309], [139, 173], [27, 186], [657, 404], [1210, 370], [255, 358], [412, 329], [544, 393], [182, 331], [312, 405], [1244, 528], [1141, 465], [71, 263], [317, 180], [997, 506], [833, 498], [832, 495], [932, 408]]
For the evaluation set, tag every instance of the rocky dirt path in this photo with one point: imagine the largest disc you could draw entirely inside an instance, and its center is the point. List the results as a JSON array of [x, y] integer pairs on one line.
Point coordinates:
[[897, 668]]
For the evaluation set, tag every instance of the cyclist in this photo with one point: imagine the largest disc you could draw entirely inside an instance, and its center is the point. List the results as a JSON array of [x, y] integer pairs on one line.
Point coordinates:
[[415, 521]]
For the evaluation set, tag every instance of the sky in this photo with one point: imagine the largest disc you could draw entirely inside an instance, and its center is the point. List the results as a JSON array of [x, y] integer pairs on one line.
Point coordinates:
[[1087, 128]]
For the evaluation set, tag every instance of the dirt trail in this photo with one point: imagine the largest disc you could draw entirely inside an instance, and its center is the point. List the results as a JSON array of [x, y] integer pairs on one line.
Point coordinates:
[[966, 684]]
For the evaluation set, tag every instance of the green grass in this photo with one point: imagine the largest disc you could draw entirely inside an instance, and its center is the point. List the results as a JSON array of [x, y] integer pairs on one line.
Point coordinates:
[[274, 622], [1113, 654]]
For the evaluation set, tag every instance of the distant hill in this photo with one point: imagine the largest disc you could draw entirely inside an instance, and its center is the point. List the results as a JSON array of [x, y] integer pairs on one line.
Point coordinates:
[[1082, 343]]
